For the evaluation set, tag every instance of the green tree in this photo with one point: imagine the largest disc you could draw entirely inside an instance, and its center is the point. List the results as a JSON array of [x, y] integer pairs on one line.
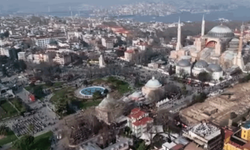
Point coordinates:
[[142, 146], [3, 130], [204, 77], [24, 143], [97, 94], [38, 91], [200, 97]]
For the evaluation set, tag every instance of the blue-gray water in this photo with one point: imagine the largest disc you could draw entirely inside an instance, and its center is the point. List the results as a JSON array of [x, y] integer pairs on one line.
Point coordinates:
[[239, 14]]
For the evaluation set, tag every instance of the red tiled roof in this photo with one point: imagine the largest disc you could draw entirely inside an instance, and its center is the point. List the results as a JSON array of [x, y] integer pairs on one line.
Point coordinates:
[[135, 110], [143, 121], [137, 115], [130, 51], [227, 133]]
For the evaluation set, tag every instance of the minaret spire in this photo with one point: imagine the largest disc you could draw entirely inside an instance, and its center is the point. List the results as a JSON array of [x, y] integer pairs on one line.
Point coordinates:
[[241, 40], [239, 61], [178, 44], [203, 26]]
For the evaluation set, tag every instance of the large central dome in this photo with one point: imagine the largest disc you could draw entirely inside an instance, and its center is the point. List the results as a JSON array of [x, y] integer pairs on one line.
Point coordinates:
[[221, 31]]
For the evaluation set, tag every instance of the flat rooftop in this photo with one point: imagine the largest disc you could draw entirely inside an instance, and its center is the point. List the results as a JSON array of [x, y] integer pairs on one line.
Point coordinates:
[[204, 130]]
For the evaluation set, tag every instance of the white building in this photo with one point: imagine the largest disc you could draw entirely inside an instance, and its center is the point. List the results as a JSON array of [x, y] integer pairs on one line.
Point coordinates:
[[42, 41], [205, 135], [62, 59], [107, 42], [21, 56], [215, 70], [199, 67], [139, 122], [4, 51], [183, 66]]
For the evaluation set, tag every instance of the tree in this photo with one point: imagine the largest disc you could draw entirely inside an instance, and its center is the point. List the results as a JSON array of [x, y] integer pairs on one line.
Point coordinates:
[[85, 82], [184, 90], [38, 91], [170, 70], [6, 34], [204, 77], [97, 94], [183, 74], [3, 130], [24, 143], [142, 146], [200, 97]]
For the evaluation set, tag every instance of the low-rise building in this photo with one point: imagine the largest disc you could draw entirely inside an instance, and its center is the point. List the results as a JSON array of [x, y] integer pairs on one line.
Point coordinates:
[[205, 135], [62, 59], [121, 144], [139, 121], [239, 140]]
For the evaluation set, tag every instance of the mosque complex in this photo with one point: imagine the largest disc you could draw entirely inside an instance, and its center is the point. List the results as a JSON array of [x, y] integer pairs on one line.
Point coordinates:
[[214, 52]]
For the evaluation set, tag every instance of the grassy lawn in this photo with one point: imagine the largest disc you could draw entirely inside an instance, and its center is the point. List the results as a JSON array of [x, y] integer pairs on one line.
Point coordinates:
[[89, 103], [42, 142], [18, 104], [9, 138], [6, 110], [121, 86]]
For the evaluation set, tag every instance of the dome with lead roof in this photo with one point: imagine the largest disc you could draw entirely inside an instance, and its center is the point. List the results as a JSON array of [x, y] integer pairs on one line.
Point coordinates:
[[184, 63], [214, 68], [153, 83], [221, 31], [201, 64]]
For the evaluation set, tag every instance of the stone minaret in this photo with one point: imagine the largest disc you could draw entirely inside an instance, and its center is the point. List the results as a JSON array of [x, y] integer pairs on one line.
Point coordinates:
[[102, 63], [239, 60], [203, 27], [178, 44], [241, 41]]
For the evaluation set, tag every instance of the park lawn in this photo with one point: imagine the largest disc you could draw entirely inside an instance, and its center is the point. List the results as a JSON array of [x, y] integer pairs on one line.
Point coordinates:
[[19, 105], [10, 111], [121, 86], [42, 142], [89, 103], [9, 138]]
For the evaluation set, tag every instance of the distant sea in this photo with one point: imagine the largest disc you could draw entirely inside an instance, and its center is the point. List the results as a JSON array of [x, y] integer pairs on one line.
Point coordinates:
[[238, 14]]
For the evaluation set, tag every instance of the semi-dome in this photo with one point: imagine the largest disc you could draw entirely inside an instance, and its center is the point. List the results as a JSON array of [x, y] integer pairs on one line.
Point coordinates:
[[221, 31], [183, 63], [201, 64], [105, 102], [214, 68], [153, 83], [136, 95]]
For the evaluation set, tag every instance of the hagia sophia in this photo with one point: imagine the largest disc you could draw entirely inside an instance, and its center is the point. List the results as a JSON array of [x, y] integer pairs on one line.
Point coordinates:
[[214, 52]]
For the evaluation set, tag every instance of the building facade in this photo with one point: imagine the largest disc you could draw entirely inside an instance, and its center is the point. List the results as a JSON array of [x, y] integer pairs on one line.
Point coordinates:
[[139, 122], [205, 135]]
